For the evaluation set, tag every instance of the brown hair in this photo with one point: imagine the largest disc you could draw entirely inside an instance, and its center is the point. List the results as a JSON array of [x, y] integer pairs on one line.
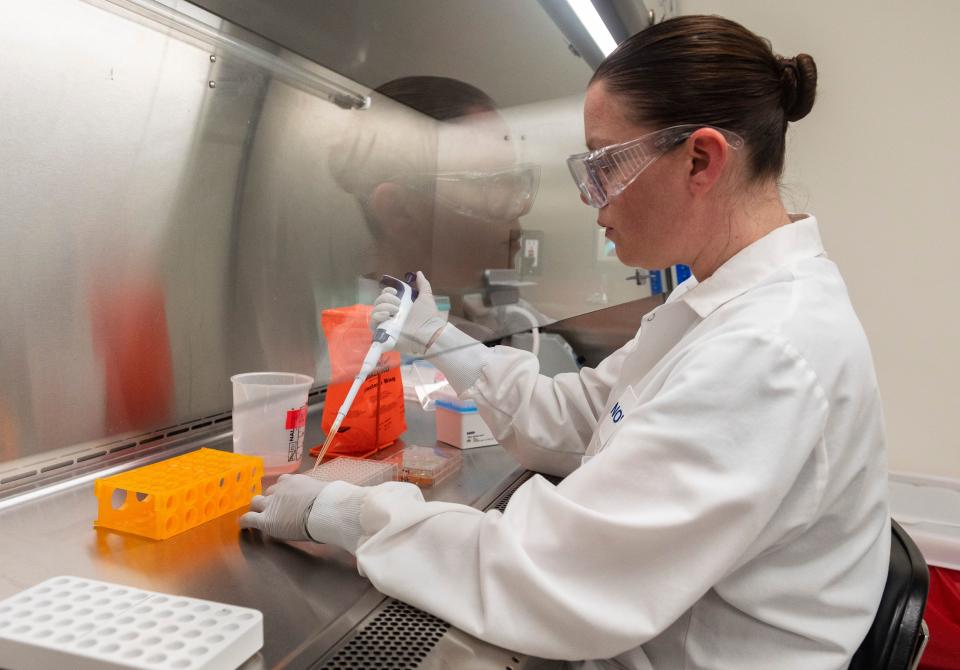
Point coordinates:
[[442, 98], [710, 70]]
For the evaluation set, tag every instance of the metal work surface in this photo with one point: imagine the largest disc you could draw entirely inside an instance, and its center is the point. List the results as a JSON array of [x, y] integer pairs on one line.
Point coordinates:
[[311, 595]]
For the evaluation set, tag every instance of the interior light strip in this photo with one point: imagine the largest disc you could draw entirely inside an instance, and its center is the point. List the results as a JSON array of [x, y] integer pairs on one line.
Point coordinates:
[[591, 20]]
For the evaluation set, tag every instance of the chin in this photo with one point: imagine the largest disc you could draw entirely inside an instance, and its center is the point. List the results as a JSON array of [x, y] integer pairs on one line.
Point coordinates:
[[628, 259]]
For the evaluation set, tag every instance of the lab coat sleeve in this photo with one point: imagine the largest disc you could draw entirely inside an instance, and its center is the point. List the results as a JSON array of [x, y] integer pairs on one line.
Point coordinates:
[[681, 494], [545, 423]]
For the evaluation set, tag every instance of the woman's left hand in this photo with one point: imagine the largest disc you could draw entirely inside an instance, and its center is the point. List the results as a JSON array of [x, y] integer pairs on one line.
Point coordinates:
[[283, 512]]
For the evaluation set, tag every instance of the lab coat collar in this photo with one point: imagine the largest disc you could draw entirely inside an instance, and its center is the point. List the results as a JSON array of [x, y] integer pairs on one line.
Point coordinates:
[[750, 266]]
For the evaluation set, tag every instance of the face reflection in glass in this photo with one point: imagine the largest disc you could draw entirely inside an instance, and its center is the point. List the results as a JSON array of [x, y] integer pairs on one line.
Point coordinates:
[[480, 192], [489, 196], [442, 196]]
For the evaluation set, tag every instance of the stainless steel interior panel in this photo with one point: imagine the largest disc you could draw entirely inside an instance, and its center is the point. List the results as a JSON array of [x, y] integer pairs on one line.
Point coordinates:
[[96, 150], [169, 218], [512, 50], [182, 198]]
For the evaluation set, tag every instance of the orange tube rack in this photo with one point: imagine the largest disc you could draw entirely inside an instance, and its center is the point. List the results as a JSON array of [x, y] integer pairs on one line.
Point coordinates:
[[169, 497]]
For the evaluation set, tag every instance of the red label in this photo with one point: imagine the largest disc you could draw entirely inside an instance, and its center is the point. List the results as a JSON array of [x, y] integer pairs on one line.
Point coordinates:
[[297, 418]]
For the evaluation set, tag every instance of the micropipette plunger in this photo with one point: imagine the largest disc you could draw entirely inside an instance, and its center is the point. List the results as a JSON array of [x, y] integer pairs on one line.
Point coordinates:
[[384, 340]]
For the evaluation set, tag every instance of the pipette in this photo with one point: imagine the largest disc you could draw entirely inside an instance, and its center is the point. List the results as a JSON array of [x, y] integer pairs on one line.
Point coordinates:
[[384, 340]]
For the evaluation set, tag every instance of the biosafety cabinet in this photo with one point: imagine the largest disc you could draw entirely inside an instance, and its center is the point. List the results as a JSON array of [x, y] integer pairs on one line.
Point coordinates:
[[185, 187]]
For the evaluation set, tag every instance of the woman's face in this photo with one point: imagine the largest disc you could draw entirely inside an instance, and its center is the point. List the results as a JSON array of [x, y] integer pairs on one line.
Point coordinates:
[[647, 221]]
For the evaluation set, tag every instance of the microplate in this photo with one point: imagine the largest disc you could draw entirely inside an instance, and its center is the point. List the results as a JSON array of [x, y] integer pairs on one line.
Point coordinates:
[[427, 466], [359, 471], [85, 624]]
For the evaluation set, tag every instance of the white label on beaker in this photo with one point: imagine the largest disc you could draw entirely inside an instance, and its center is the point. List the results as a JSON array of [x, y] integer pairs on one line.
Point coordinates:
[[296, 423]]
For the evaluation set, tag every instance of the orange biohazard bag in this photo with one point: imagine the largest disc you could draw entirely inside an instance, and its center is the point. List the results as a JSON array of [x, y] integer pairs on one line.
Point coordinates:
[[376, 418]]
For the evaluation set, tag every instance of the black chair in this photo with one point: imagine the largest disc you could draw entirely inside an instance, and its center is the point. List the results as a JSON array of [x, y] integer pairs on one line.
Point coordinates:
[[898, 635]]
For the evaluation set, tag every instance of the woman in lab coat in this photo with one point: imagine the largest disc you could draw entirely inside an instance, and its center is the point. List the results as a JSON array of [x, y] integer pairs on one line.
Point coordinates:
[[724, 503]]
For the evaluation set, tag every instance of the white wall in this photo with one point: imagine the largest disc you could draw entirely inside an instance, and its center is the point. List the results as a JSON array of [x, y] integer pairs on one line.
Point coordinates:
[[877, 162]]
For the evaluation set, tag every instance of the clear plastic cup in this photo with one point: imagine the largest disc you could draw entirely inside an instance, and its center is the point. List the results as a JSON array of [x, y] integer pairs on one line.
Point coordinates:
[[269, 418]]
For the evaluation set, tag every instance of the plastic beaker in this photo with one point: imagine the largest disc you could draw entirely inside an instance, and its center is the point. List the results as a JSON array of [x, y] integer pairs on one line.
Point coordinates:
[[270, 417]]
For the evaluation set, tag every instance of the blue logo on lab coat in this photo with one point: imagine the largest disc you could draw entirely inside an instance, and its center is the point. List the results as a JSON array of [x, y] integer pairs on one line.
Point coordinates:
[[616, 413]]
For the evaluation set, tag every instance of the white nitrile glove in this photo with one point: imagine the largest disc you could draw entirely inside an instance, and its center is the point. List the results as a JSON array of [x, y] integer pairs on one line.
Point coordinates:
[[424, 323], [283, 512]]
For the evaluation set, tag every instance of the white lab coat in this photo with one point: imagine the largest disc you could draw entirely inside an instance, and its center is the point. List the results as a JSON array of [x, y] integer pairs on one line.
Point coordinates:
[[725, 504]]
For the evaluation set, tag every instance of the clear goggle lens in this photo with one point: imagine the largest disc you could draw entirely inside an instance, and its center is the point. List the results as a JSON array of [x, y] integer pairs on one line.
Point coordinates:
[[606, 172], [497, 196]]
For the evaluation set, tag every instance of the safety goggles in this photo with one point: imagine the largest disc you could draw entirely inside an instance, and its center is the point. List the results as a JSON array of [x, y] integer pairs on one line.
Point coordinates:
[[503, 195], [606, 172]]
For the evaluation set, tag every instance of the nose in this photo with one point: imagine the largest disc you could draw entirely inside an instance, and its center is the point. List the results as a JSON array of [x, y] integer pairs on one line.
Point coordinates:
[[583, 199]]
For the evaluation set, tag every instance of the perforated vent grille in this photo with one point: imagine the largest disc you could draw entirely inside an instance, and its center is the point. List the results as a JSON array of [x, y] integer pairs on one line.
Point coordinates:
[[501, 502], [400, 636]]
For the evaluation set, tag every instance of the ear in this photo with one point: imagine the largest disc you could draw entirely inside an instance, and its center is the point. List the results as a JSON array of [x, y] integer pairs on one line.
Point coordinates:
[[709, 154], [399, 211]]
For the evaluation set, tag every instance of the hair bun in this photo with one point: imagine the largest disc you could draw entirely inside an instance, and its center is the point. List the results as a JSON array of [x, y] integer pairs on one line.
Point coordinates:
[[798, 78]]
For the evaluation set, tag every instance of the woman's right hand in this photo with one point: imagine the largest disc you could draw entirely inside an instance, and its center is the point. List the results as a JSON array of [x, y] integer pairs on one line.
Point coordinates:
[[424, 323]]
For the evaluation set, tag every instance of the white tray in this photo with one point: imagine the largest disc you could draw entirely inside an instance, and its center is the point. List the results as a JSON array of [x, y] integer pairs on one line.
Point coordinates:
[[83, 624]]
